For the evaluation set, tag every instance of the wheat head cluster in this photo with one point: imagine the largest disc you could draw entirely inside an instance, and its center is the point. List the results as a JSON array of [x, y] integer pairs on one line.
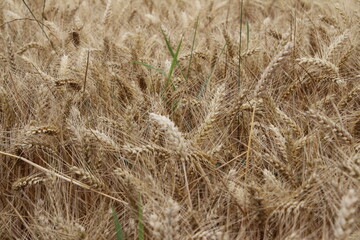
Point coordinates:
[[177, 119]]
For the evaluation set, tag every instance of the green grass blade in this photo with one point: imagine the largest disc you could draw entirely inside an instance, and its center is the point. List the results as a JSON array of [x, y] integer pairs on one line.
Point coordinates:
[[150, 66], [168, 43], [174, 61], [141, 224], [118, 229], [172, 67], [204, 85], [192, 47]]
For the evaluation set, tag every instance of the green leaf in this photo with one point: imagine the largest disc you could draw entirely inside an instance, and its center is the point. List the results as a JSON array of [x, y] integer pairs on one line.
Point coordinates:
[[204, 85], [150, 66], [173, 55], [168, 44], [192, 46], [173, 64], [118, 229]]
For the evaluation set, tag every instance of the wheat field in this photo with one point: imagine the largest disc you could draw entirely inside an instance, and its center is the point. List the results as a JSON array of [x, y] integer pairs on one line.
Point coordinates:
[[176, 119]]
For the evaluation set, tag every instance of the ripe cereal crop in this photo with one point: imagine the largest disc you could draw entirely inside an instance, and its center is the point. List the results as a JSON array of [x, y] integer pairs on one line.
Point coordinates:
[[179, 119]]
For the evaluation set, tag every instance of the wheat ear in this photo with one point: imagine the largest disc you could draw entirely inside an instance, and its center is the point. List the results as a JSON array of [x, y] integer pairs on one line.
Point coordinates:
[[346, 216], [270, 69]]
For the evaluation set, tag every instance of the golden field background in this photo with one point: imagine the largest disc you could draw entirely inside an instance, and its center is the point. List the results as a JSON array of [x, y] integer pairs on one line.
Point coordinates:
[[190, 119]]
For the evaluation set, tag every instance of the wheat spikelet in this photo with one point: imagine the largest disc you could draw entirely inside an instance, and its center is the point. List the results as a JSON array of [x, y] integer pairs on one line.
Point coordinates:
[[272, 183], [157, 226], [349, 169], [336, 48], [71, 82], [256, 214], [172, 220], [27, 145], [273, 65], [275, 34], [290, 90], [108, 12], [212, 116], [320, 65], [196, 54], [51, 226], [249, 53], [29, 46], [240, 194], [349, 97], [356, 129], [88, 178], [343, 62], [346, 216], [343, 15], [27, 181], [322, 103], [327, 123], [153, 19], [11, 55], [280, 141], [3, 58], [300, 143], [105, 140], [64, 66], [289, 121], [282, 168], [174, 137], [229, 45], [149, 149], [48, 130], [239, 106], [55, 31]]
